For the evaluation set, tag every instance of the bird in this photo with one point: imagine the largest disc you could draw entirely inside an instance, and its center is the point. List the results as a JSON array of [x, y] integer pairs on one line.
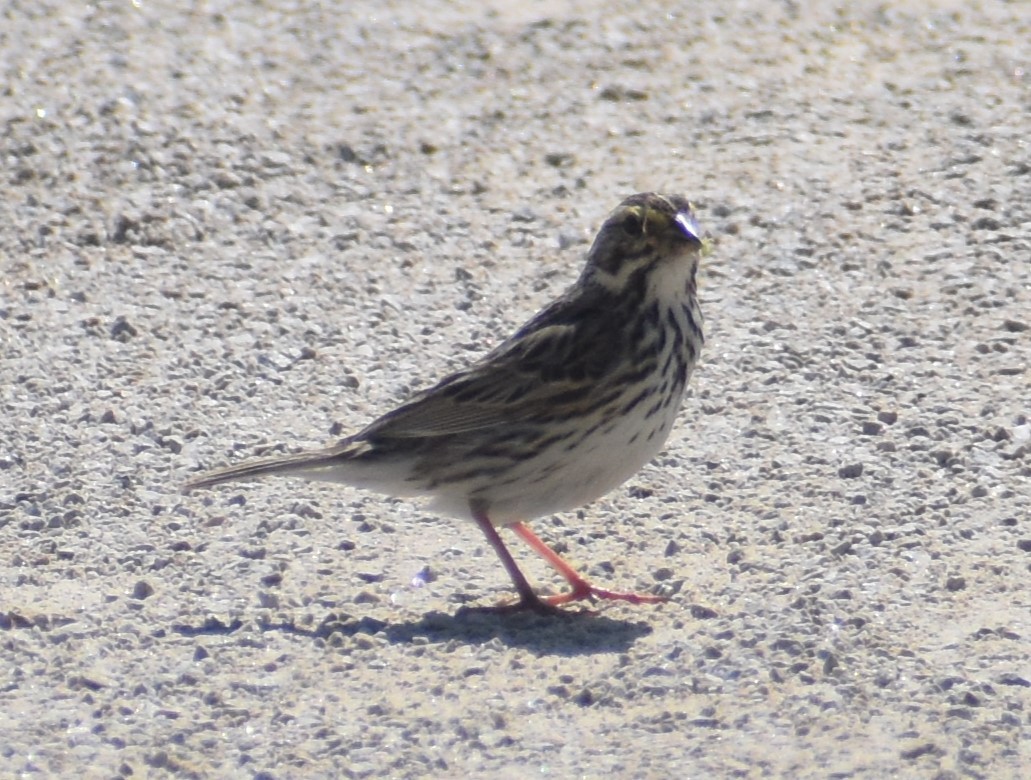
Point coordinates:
[[569, 407]]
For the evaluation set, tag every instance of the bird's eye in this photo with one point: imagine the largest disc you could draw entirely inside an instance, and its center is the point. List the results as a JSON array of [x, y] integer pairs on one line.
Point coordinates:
[[632, 224]]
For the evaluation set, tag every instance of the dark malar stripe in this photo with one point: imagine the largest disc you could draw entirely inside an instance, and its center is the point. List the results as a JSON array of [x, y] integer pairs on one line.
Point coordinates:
[[695, 327], [674, 324], [570, 396], [640, 375], [636, 401]]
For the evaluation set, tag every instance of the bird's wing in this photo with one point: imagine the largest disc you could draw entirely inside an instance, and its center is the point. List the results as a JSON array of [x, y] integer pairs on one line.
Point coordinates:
[[553, 363]]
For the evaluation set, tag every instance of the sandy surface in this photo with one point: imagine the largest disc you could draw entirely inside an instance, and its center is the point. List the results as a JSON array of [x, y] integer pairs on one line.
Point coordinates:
[[252, 225]]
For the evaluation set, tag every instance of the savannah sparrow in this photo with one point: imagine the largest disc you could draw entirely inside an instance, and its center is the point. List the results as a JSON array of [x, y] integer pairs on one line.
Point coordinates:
[[572, 405]]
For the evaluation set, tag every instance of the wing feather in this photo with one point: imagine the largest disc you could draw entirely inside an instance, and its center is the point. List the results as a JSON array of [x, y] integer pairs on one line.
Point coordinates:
[[549, 366]]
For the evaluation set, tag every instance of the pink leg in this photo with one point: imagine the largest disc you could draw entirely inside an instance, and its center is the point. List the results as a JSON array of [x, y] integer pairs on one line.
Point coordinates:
[[582, 589], [527, 598]]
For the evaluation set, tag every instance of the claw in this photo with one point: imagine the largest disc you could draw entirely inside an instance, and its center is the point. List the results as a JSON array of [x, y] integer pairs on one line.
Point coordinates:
[[584, 590]]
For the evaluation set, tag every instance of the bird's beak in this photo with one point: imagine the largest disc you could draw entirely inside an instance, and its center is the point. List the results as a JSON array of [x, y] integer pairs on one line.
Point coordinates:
[[689, 227]]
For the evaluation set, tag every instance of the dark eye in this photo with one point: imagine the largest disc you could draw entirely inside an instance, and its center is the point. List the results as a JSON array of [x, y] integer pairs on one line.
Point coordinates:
[[632, 224]]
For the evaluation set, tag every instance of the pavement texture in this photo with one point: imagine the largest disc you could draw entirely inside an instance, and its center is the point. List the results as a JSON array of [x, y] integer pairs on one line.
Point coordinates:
[[231, 228]]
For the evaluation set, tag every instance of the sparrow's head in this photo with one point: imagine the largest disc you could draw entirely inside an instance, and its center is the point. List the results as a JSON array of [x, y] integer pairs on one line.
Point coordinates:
[[646, 233]]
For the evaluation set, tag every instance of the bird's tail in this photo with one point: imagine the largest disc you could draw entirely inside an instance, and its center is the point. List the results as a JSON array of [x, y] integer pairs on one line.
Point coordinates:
[[311, 465]]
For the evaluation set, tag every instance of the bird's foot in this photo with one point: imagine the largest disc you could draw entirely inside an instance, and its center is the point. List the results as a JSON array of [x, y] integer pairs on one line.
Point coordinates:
[[585, 590], [529, 603]]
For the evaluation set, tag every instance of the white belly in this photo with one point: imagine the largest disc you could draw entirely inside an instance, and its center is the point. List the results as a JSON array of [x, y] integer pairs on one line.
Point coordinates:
[[561, 479]]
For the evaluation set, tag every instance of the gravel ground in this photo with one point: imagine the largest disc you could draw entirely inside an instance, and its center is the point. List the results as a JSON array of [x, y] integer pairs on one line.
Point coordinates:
[[248, 226]]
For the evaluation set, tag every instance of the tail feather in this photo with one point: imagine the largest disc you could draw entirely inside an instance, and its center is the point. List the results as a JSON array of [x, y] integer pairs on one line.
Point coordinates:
[[303, 463]]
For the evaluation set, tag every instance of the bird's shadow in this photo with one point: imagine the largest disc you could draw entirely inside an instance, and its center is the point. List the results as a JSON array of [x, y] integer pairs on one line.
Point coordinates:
[[566, 634]]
